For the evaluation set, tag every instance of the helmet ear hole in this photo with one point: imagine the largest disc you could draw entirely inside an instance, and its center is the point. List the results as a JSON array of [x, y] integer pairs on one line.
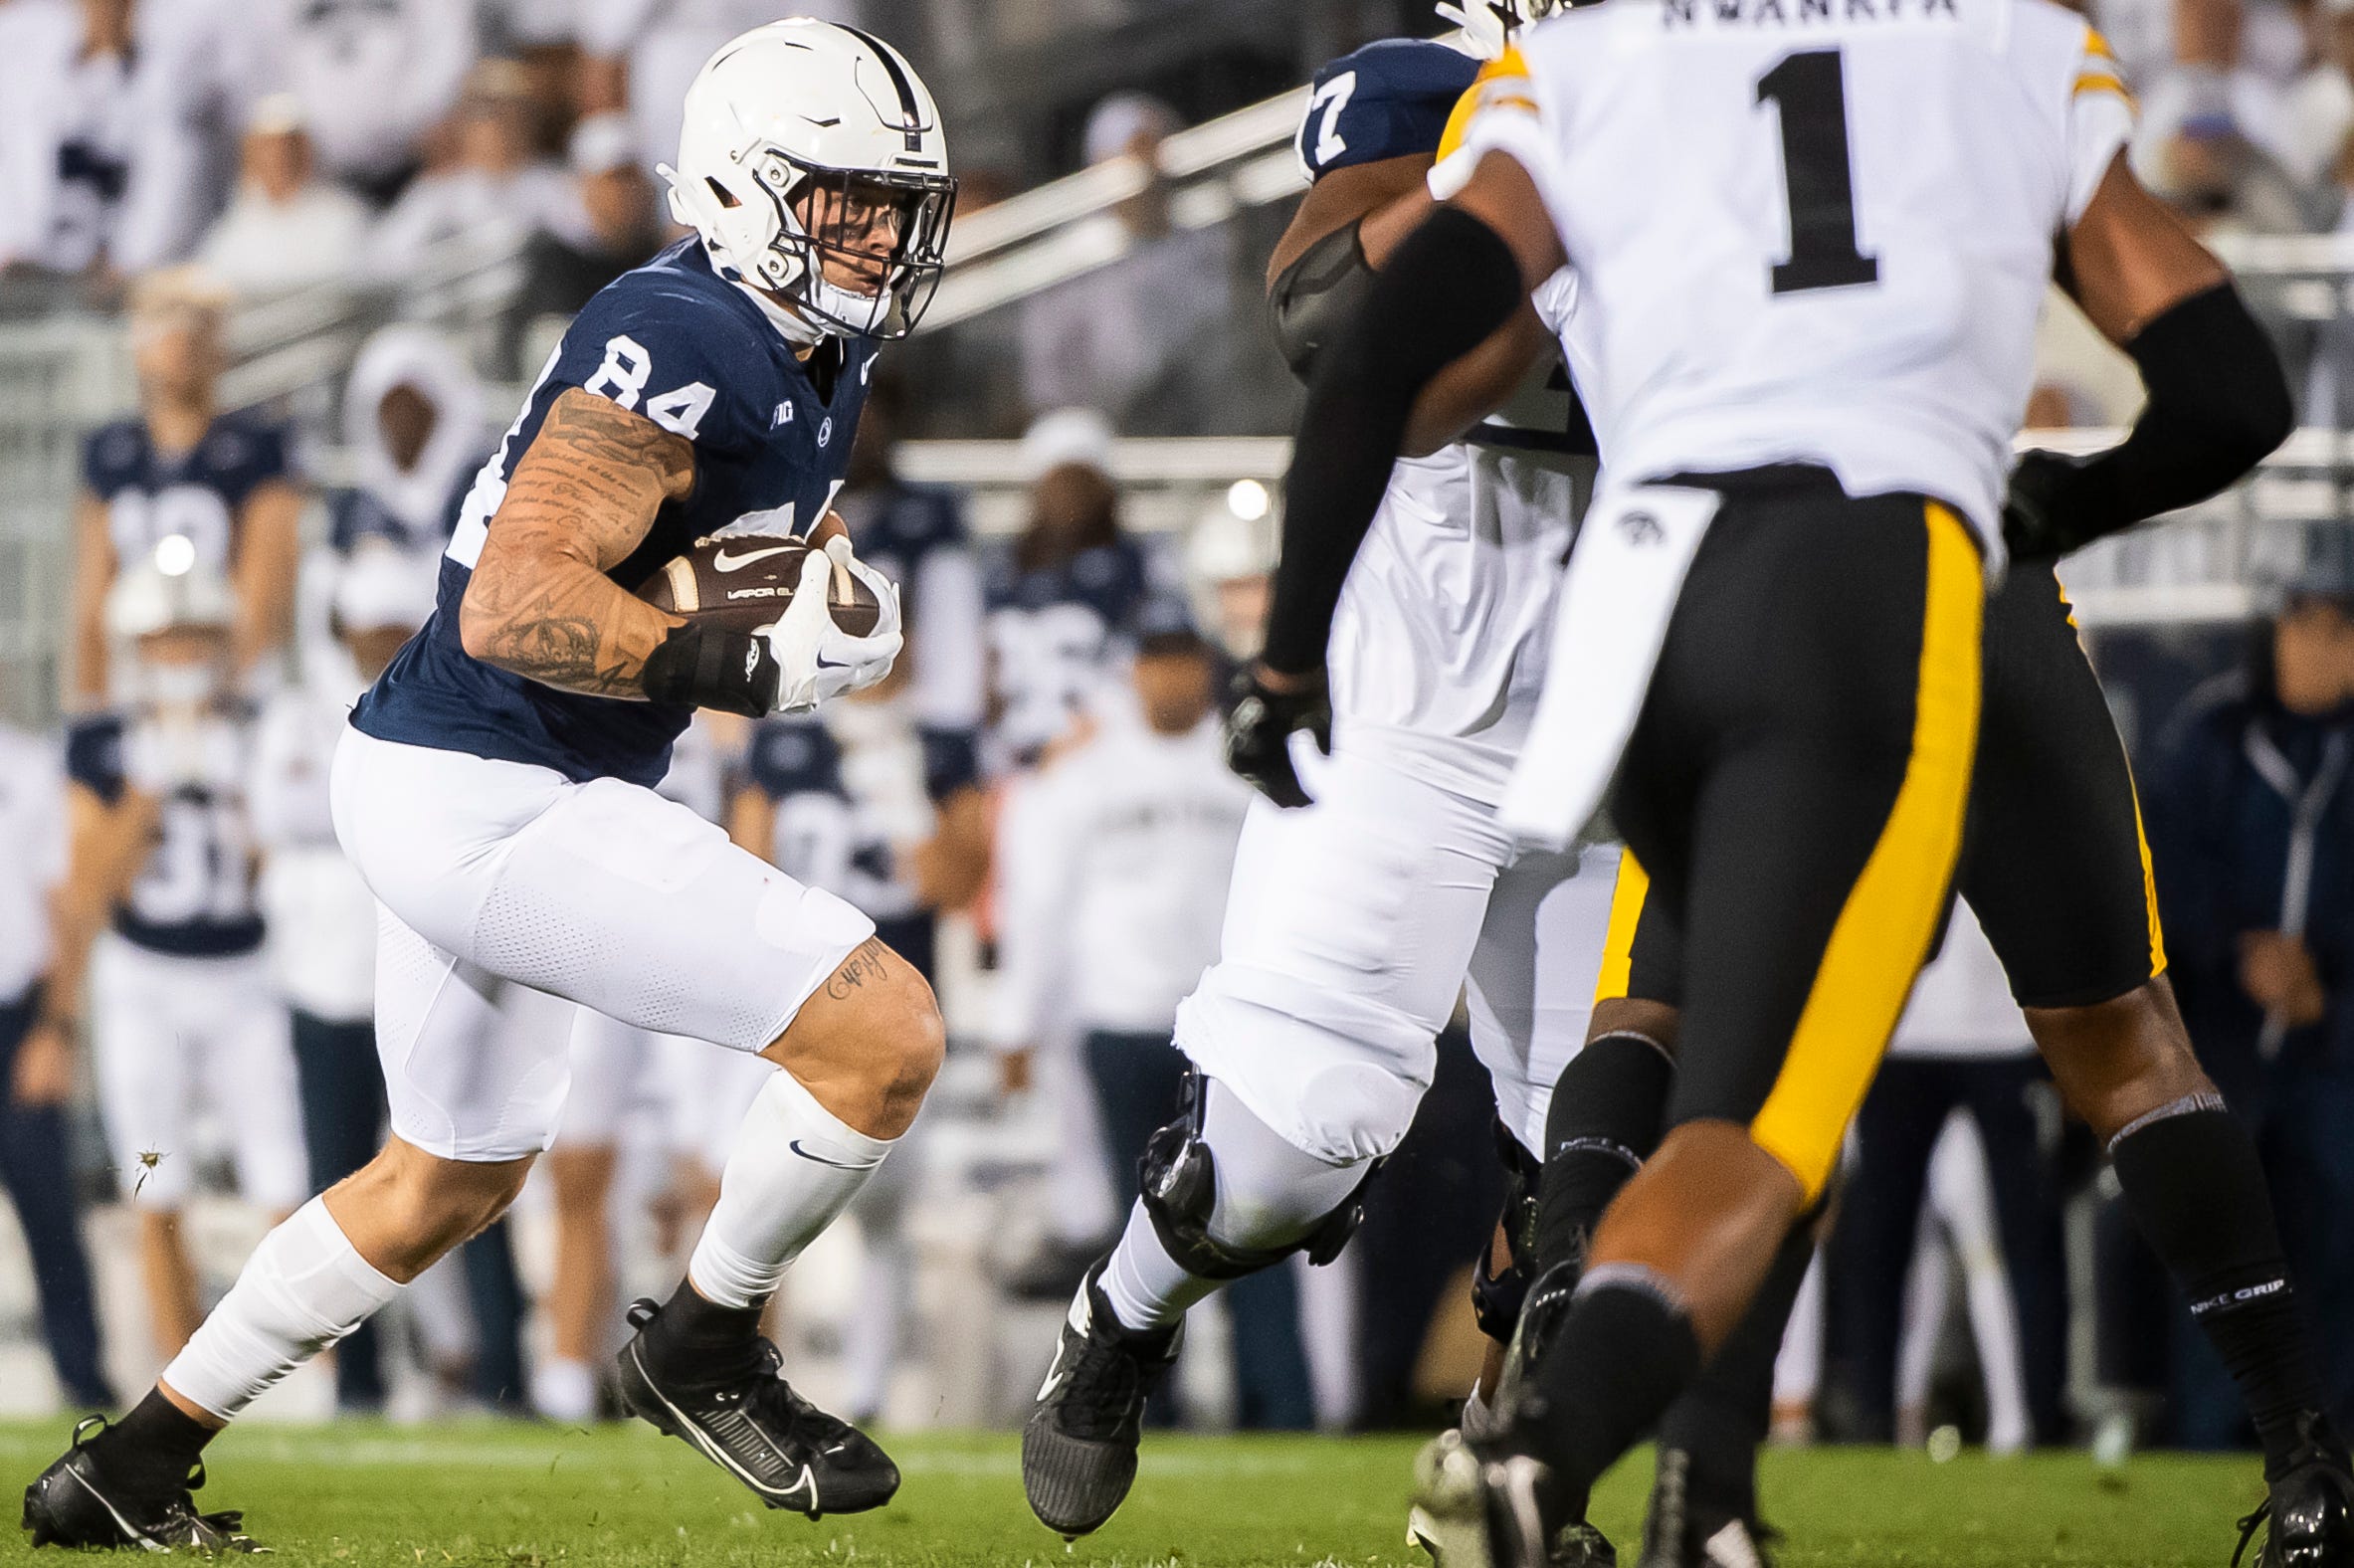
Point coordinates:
[[721, 194]]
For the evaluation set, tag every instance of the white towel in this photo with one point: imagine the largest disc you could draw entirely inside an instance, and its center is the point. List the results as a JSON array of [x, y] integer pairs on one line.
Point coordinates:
[[1620, 589]]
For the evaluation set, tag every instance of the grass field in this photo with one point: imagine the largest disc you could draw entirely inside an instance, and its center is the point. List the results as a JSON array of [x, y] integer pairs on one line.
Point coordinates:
[[522, 1496]]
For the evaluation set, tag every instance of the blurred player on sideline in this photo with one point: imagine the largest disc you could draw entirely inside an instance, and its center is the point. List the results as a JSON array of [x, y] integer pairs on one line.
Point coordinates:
[[497, 792], [184, 1017], [213, 491], [320, 915], [40, 995], [872, 800]]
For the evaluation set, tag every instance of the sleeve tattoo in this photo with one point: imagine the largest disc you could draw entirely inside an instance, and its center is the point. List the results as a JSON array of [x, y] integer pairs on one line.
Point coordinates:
[[540, 603]]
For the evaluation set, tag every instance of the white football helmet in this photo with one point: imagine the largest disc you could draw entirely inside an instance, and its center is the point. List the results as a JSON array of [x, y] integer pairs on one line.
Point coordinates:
[[806, 143], [1488, 24]]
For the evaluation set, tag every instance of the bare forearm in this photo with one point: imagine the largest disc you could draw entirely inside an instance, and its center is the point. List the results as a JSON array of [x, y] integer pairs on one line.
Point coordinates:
[[582, 498], [561, 622], [269, 556]]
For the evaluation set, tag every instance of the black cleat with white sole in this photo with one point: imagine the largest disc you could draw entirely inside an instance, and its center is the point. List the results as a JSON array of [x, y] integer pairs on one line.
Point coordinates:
[[1682, 1530], [740, 1413], [1078, 1448], [75, 1503]]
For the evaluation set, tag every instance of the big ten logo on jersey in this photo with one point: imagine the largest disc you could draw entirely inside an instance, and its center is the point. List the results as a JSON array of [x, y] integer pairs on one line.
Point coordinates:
[[137, 522]]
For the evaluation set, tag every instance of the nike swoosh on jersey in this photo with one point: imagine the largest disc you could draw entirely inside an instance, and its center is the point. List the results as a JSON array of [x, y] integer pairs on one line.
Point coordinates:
[[721, 561], [840, 1165]]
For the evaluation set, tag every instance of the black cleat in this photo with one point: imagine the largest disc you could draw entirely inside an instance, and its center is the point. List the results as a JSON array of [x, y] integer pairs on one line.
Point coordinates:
[[1449, 1518], [2308, 1517], [74, 1504], [744, 1417], [1680, 1531], [1078, 1448]]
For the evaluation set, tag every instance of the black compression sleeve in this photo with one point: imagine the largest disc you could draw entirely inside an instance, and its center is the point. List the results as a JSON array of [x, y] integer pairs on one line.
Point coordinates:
[[2218, 405], [1446, 288]]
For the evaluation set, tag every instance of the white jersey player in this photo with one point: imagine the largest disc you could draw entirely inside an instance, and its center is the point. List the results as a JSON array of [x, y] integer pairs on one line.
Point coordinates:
[[1353, 924], [186, 1024], [496, 792], [1810, 242]]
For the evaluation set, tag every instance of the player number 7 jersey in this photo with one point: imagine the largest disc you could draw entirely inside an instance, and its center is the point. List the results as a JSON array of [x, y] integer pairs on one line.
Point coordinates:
[[1810, 229]]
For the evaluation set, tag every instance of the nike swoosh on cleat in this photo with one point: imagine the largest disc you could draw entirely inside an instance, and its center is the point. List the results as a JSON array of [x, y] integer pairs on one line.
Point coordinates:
[[840, 1165], [721, 561]]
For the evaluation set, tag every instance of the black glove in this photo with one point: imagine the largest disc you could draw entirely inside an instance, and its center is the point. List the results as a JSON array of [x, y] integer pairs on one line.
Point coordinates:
[[2042, 514], [1258, 734]]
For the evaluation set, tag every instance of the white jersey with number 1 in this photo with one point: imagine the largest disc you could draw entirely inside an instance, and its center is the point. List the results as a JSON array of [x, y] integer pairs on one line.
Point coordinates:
[[1812, 231]]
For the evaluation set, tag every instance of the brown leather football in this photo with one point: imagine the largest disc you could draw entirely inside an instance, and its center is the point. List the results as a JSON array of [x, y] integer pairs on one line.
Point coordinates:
[[744, 581]]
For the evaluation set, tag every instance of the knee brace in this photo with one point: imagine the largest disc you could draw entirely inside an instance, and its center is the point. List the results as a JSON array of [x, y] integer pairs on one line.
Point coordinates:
[[1180, 1195], [1496, 1298]]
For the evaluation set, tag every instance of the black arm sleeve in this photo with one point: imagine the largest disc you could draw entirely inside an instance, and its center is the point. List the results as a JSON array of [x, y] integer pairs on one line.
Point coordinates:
[[2218, 405], [1448, 287]]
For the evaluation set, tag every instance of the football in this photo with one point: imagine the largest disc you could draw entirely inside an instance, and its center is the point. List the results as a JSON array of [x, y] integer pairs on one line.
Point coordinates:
[[745, 582]]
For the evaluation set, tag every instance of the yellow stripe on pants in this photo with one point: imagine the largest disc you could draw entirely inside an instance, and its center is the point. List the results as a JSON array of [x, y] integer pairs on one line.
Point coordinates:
[[1883, 929], [1618, 944]]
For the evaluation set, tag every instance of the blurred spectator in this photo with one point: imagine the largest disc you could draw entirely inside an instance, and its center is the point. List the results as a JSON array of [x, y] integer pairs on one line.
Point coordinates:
[[871, 800], [2253, 828], [68, 130], [497, 189], [40, 994], [915, 536], [185, 1023], [1115, 862], [616, 201], [1059, 597], [1230, 562], [640, 54], [413, 420], [185, 484], [1962, 1045], [286, 226], [373, 77], [1143, 339], [320, 916]]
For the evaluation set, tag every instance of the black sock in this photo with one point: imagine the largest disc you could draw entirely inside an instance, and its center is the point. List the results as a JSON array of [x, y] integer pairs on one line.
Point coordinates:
[[152, 1447], [2194, 1185], [1722, 1419], [1606, 1120], [690, 1332], [1624, 1355]]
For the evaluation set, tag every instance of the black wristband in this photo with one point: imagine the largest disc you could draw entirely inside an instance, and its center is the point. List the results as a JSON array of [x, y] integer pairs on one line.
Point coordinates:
[[703, 666], [1443, 291]]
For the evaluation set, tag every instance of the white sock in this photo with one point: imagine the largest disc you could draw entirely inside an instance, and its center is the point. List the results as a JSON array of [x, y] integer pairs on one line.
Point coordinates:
[[565, 1390], [795, 1167], [304, 1288], [1269, 1195]]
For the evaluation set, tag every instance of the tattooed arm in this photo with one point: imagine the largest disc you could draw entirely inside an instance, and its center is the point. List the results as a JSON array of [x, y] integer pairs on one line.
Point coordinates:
[[582, 498]]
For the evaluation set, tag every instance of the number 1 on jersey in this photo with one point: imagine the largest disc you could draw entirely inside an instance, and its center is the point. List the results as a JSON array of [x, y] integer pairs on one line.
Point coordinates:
[[1810, 91]]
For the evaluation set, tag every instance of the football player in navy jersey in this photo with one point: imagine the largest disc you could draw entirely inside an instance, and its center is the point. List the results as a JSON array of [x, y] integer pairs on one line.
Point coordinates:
[[496, 792], [182, 470], [1059, 595], [183, 1012]]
